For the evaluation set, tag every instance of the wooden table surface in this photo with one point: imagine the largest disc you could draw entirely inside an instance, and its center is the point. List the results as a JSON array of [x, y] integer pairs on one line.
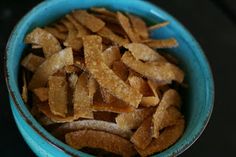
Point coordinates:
[[212, 22]]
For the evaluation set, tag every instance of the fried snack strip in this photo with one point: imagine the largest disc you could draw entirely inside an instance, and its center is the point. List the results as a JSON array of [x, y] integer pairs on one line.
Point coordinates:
[[31, 62], [103, 11], [45, 39], [106, 96], [139, 26], [116, 106], [143, 135], [163, 43], [57, 95], [143, 52], [50, 66], [82, 31], [160, 71], [126, 25], [71, 39], [132, 120], [120, 70], [45, 109], [24, 93], [171, 116], [168, 137], [104, 75], [60, 27], [154, 86], [107, 33], [69, 69], [107, 19], [93, 125], [99, 139], [55, 32], [90, 21], [117, 29], [41, 93], [110, 55], [158, 26], [140, 84], [81, 99], [149, 101], [170, 98]]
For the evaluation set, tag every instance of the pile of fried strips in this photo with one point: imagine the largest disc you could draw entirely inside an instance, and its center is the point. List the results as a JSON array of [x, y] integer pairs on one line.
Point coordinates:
[[95, 79]]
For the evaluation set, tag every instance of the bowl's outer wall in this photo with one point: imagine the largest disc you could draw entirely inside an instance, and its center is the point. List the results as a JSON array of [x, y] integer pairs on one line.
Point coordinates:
[[198, 102]]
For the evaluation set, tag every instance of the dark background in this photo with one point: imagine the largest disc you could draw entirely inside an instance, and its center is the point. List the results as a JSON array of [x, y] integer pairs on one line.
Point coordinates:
[[213, 23]]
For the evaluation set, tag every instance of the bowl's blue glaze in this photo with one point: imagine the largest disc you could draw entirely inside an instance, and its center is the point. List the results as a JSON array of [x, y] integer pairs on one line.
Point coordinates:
[[199, 97]]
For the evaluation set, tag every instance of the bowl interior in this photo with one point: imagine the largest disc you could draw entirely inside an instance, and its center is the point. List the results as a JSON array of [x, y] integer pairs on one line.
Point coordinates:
[[198, 97]]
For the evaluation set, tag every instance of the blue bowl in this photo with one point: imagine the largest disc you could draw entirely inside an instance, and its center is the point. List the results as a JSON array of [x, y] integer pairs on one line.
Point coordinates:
[[198, 98]]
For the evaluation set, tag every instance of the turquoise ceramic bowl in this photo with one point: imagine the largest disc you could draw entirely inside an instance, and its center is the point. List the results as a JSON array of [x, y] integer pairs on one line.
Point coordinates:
[[198, 102]]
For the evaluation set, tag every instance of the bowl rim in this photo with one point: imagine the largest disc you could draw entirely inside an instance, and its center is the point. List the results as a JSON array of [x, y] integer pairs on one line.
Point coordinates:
[[194, 44]]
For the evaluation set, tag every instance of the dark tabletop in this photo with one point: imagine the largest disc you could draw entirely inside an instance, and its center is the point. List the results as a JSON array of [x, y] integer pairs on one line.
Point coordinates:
[[213, 23]]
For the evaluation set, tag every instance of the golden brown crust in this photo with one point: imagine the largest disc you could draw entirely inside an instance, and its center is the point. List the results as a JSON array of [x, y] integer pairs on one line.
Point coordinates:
[[155, 86], [41, 93], [132, 120], [88, 20], [69, 69], [139, 26], [140, 84], [171, 116], [31, 62], [110, 55], [93, 125], [143, 135], [60, 27], [170, 98], [160, 71], [143, 52], [167, 138], [149, 101], [104, 75], [71, 38], [55, 32], [117, 106], [106, 96], [99, 139], [81, 99], [117, 29], [45, 39], [44, 108], [107, 33], [163, 43], [50, 66], [126, 25], [107, 19], [120, 70], [103, 11], [58, 95], [82, 31], [24, 93], [158, 26]]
